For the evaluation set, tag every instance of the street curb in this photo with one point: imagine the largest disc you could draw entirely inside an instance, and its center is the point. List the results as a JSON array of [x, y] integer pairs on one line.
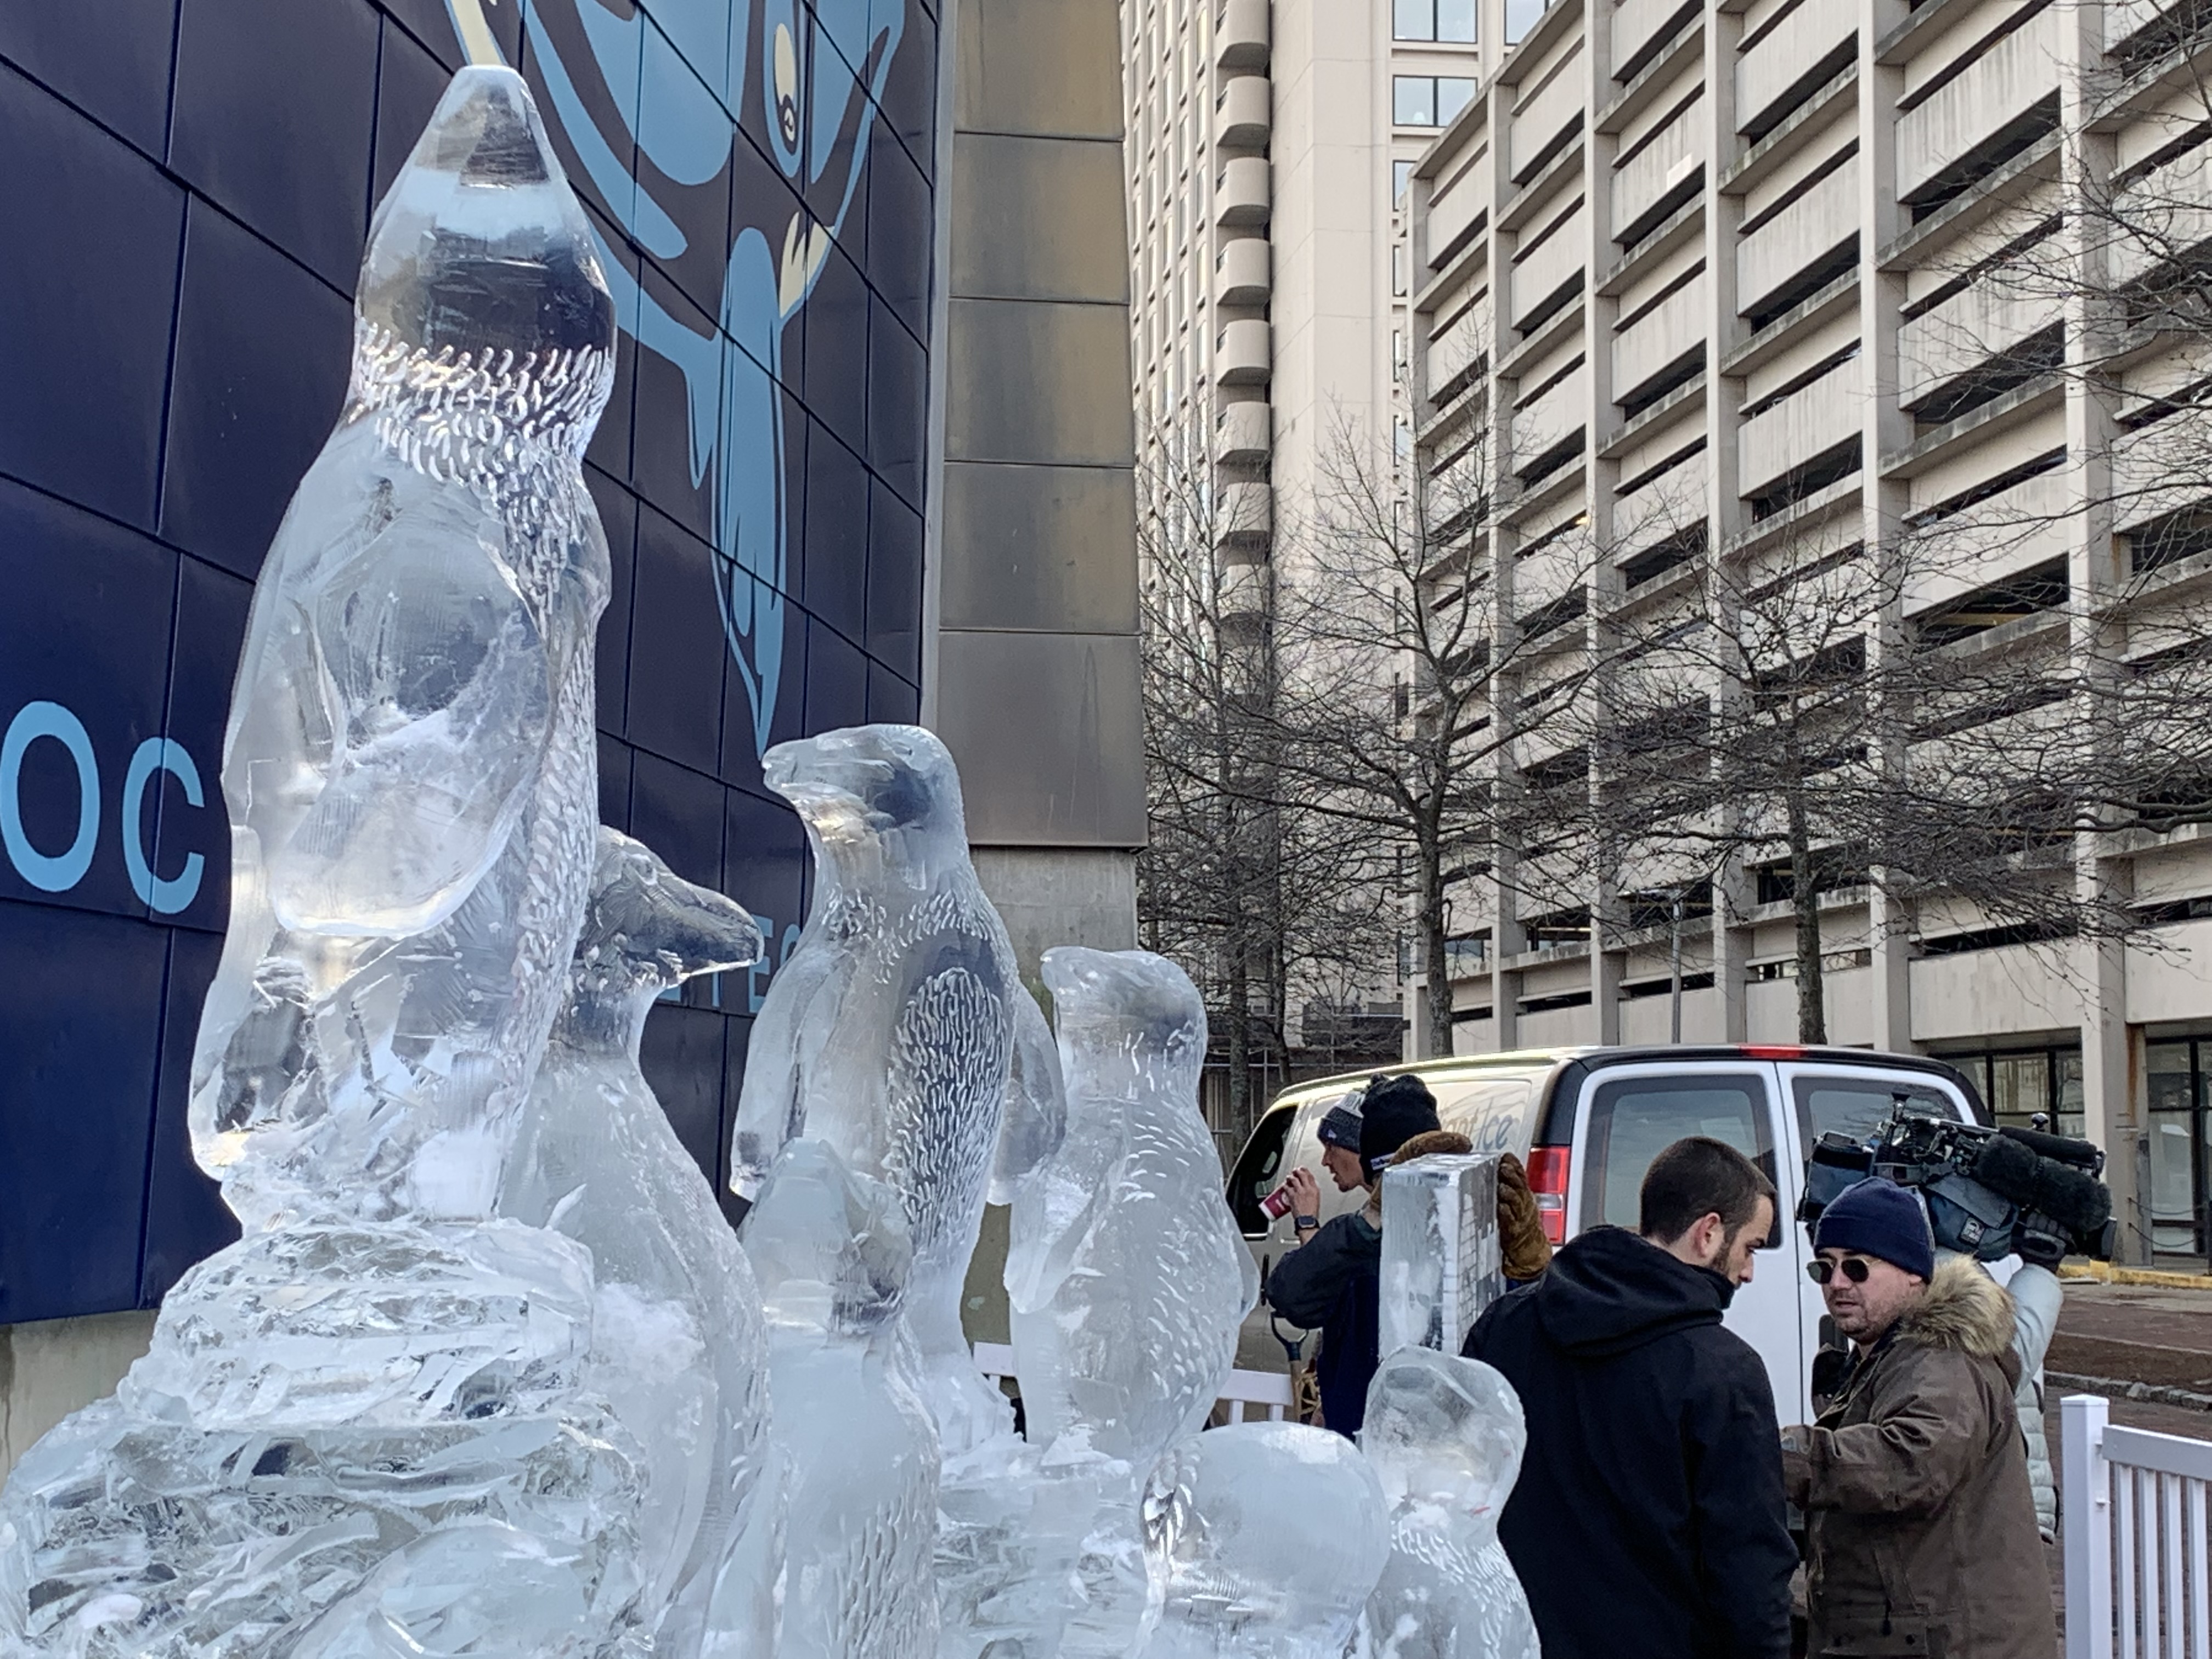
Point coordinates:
[[2114, 1387], [2078, 1268]]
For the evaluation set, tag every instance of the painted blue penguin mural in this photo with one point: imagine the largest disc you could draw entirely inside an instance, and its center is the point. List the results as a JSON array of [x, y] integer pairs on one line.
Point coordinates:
[[681, 84]]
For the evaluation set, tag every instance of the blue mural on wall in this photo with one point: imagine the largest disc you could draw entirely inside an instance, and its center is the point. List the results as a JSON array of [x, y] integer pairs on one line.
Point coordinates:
[[811, 74]]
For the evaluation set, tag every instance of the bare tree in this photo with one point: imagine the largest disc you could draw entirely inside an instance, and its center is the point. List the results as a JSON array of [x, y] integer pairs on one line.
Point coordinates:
[[1263, 900], [1403, 678]]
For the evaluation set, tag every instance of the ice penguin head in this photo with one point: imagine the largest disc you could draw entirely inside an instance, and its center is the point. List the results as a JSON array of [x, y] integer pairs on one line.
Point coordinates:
[[1444, 1434], [1261, 1539], [878, 801], [480, 248], [1127, 1021], [646, 931]]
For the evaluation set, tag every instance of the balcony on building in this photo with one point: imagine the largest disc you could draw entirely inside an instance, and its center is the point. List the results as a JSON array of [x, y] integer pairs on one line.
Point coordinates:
[[1813, 422], [1239, 191], [1241, 354], [1787, 256], [1244, 112], [1662, 174], [1547, 427], [1544, 119], [1996, 105], [1242, 272], [1240, 34], [1244, 516], [1992, 317], [1791, 61], [1655, 344], [1641, 27], [1242, 595], [1243, 433], [1545, 274]]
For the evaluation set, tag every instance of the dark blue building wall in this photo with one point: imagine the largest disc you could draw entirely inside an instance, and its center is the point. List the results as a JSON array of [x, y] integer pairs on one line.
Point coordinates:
[[185, 187]]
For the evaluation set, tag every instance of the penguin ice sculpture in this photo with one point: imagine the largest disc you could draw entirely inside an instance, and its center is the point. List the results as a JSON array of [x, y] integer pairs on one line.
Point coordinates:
[[678, 1345], [368, 1426], [1445, 1435], [897, 1032]]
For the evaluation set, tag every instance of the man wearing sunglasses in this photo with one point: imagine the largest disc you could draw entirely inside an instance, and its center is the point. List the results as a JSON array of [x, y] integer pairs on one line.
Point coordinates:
[[1920, 1527]]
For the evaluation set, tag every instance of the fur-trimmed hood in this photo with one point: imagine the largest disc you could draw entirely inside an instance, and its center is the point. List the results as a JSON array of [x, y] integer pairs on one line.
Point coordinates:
[[1964, 1308]]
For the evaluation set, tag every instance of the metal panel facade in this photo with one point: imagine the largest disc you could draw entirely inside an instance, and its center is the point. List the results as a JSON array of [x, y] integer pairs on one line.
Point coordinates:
[[187, 189]]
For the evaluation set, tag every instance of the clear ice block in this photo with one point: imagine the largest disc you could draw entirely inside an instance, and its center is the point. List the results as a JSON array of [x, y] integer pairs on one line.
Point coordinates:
[[1441, 1265], [1445, 1436], [1263, 1541]]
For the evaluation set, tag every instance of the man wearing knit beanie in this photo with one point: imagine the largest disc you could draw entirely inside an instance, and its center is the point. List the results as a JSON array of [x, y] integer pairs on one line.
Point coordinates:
[[1332, 1281], [1920, 1526]]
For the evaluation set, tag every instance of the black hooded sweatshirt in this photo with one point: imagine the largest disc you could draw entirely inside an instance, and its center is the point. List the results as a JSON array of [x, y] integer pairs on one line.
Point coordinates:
[[1648, 1518]]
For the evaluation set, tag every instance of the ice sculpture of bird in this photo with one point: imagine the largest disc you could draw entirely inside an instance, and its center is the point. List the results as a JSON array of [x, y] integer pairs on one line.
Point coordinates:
[[1445, 1436], [678, 1346], [1126, 1275], [369, 1425], [409, 765], [891, 1034]]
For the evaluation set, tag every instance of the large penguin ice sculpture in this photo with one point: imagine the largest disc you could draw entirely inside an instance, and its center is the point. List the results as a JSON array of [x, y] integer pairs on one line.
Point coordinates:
[[409, 763], [368, 1426], [899, 1033], [680, 1349], [1445, 1436]]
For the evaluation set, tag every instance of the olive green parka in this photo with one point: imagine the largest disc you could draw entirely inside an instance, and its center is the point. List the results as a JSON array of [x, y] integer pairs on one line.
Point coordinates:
[[1920, 1524]]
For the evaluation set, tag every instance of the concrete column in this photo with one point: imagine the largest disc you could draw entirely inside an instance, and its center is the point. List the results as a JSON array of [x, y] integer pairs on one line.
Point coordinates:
[[1731, 943], [1883, 502], [1033, 568], [2113, 1102], [1600, 475], [56, 1366]]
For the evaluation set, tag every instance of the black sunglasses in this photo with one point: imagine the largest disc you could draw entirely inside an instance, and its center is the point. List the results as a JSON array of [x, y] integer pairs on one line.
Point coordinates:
[[1856, 1268]]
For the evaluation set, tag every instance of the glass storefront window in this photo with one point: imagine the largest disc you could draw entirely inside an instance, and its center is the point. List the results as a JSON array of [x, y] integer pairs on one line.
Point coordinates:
[[2020, 1086], [2175, 1128]]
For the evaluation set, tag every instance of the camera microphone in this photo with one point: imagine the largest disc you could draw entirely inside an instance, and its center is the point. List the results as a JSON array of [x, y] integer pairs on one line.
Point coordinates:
[[2011, 1165]]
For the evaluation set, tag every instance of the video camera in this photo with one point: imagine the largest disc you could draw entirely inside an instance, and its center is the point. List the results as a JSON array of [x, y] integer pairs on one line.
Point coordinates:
[[1989, 1193]]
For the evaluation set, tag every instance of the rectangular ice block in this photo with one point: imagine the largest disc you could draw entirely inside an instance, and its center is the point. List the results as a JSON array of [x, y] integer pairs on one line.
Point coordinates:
[[1440, 1256]]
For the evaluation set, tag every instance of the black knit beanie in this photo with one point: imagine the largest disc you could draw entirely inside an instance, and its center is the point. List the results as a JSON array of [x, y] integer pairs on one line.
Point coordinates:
[[1395, 1109]]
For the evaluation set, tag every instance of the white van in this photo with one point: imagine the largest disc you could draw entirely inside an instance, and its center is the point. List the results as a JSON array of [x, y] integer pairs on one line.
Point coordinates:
[[1586, 1123]]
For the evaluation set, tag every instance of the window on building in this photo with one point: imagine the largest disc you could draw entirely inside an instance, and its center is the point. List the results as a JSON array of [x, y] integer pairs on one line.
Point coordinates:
[[1429, 100], [1401, 171], [1398, 266], [1521, 17], [1432, 20]]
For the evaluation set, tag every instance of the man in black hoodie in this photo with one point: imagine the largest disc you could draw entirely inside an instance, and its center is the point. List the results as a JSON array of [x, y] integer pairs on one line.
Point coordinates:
[[1648, 1516]]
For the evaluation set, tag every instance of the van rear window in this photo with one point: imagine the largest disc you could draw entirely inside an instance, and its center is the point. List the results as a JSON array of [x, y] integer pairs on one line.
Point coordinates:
[[1633, 1120], [1259, 1169], [1857, 1106]]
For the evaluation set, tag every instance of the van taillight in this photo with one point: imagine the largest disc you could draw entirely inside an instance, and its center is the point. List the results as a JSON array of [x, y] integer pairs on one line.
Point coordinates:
[[1548, 1180]]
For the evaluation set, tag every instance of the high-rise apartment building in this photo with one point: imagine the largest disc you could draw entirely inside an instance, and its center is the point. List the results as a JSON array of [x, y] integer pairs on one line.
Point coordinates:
[[1267, 142], [1707, 288]]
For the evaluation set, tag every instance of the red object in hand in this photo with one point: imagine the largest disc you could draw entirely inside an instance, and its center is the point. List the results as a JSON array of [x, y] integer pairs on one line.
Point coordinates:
[[1276, 1204]]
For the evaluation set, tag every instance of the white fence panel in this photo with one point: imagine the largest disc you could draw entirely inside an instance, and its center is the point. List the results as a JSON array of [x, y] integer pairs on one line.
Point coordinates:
[[2138, 1554], [1269, 1390]]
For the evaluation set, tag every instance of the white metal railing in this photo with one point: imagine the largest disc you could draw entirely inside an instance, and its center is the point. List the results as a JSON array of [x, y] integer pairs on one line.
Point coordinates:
[[1268, 1389], [2133, 1522]]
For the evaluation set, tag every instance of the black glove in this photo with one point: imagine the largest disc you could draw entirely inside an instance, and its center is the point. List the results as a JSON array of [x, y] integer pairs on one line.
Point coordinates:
[[2039, 1241]]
